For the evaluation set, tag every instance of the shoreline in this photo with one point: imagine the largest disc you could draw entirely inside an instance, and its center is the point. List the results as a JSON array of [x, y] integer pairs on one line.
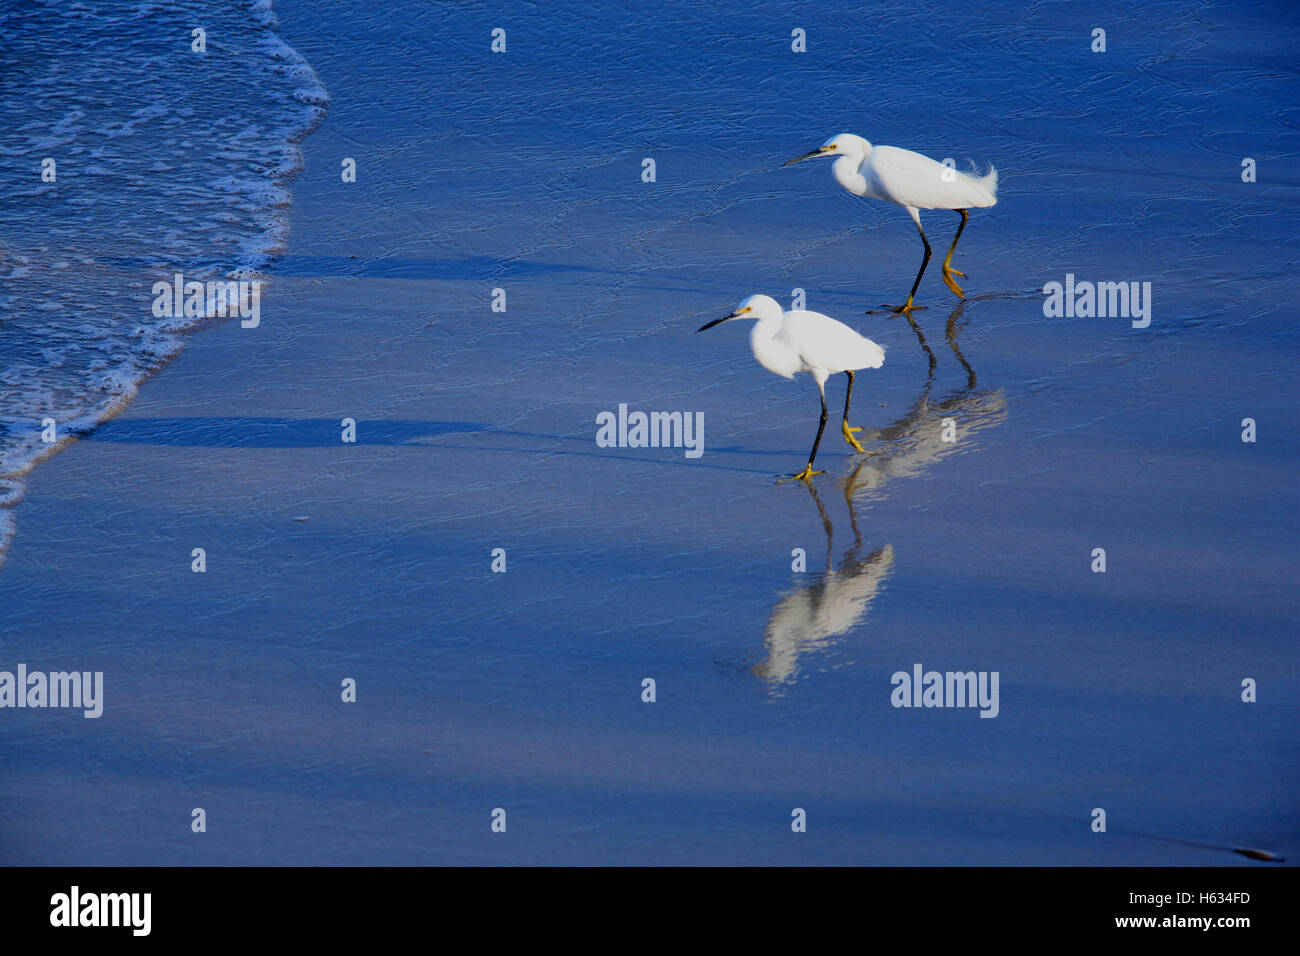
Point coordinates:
[[276, 194]]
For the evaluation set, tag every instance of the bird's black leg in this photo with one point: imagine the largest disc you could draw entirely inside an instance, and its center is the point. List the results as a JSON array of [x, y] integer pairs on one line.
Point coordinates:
[[847, 429], [948, 270], [908, 306], [812, 456]]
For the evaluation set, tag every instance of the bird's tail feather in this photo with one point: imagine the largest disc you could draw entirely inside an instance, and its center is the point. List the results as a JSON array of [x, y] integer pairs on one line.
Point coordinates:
[[989, 181]]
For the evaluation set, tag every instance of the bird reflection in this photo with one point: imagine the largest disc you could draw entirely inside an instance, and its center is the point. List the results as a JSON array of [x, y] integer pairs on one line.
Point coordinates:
[[815, 614], [932, 428], [812, 616]]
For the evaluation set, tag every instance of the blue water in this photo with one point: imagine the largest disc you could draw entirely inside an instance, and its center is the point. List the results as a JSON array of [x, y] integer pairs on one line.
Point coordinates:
[[522, 690]]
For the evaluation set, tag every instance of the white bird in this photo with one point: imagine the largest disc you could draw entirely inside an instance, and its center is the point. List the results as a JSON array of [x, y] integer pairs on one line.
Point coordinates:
[[912, 181], [790, 342]]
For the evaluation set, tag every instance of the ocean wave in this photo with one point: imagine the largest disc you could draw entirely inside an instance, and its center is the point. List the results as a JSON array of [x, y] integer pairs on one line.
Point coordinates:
[[164, 159]]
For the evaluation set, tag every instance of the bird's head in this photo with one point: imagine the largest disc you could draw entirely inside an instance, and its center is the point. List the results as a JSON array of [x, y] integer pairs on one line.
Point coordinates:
[[754, 307], [842, 144]]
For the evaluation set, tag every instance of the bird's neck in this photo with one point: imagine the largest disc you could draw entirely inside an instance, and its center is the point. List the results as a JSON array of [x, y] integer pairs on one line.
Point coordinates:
[[846, 171], [764, 329], [773, 354]]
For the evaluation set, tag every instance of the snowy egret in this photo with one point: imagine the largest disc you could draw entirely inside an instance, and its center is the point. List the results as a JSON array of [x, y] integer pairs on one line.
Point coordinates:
[[790, 342], [912, 181]]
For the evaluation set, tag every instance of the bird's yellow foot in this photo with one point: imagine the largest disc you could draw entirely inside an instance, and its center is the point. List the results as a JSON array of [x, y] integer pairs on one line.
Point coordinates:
[[907, 308], [848, 435], [805, 475], [951, 283]]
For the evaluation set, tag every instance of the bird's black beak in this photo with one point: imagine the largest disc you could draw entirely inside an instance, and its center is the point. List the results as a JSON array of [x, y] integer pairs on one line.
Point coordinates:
[[819, 151], [725, 318]]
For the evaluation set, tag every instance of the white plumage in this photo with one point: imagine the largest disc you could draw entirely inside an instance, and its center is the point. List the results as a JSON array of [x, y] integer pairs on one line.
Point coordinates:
[[909, 179], [810, 342]]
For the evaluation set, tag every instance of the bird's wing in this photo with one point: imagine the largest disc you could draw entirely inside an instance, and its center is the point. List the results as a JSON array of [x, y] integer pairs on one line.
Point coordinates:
[[823, 342], [910, 179]]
